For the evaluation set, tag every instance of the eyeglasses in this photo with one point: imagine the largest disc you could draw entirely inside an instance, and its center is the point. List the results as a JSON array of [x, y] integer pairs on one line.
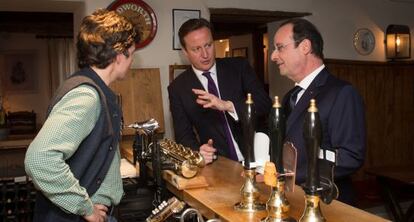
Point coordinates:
[[280, 48]]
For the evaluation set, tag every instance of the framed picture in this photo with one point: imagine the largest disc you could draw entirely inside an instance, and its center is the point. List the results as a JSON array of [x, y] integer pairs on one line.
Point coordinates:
[[179, 17], [19, 73], [239, 52], [176, 70]]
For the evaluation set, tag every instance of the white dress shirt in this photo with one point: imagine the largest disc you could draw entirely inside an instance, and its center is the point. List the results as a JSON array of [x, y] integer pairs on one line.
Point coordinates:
[[304, 84], [204, 82]]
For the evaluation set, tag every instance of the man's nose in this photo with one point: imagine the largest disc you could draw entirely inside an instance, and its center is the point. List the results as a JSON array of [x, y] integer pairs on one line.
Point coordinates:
[[275, 56], [204, 53]]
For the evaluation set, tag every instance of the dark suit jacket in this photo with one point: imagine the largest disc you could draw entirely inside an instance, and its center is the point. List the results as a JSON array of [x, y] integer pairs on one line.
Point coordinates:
[[236, 78], [342, 115]]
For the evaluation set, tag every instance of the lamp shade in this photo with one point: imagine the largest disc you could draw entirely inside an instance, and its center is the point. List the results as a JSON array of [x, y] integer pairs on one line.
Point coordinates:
[[398, 42]]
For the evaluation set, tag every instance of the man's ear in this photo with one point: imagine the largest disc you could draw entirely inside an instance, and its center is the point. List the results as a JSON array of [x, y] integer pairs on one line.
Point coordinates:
[[306, 46], [118, 58], [184, 51]]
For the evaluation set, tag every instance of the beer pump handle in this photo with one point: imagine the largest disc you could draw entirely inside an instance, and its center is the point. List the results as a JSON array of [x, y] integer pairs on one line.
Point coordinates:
[[312, 133], [248, 129], [277, 135]]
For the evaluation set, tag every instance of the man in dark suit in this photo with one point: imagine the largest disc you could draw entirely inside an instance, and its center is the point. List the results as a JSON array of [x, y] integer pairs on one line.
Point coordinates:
[[299, 55], [206, 100]]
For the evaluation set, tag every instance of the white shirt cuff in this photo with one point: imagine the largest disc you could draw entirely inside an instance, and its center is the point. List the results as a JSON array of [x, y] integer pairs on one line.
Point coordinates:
[[234, 114]]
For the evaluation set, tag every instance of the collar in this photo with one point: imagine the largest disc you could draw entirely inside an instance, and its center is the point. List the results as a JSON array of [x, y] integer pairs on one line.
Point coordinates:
[[199, 73], [309, 78]]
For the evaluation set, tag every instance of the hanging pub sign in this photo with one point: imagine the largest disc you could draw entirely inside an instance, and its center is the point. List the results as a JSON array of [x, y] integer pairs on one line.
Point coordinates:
[[141, 15]]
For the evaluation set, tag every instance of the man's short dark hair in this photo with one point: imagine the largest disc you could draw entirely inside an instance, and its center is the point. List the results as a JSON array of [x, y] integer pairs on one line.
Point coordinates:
[[303, 29], [103, 35], [191, 25]]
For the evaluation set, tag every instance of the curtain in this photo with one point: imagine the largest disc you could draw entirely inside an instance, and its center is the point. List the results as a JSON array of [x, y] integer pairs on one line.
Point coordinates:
[[62, 60]]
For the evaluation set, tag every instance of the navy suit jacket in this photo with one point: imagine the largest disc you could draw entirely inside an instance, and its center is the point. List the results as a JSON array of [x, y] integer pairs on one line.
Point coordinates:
[[342, 115], [236, 78]]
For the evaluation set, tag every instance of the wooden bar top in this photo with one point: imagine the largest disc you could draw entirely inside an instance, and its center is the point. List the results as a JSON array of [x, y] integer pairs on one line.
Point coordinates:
[[225, 180]]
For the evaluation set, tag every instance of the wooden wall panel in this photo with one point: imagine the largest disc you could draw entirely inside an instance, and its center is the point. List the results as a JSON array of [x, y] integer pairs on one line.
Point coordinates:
[[388, 93], [141, 97]]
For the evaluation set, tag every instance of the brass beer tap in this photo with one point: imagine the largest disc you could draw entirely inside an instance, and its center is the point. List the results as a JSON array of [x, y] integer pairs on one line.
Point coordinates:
[[249, 192], [277, 206], [312, 131]]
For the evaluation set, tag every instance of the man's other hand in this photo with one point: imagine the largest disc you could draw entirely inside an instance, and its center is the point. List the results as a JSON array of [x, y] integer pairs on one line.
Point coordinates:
[[208, 151], [98, 214], [208, 100]]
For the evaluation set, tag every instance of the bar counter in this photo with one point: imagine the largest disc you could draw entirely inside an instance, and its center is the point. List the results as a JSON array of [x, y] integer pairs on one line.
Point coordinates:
[[225, 180]]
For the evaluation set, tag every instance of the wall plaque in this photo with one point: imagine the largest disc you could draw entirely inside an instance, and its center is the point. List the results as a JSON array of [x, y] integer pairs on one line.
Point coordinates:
[[141, 15]]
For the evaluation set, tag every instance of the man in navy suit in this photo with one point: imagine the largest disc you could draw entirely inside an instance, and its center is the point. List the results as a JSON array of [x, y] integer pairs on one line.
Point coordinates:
[[299, 55], [205, 120]]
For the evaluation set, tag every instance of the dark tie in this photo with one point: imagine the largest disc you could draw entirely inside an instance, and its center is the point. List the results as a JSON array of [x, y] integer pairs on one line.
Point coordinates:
[[213, 90], [294, 96]]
